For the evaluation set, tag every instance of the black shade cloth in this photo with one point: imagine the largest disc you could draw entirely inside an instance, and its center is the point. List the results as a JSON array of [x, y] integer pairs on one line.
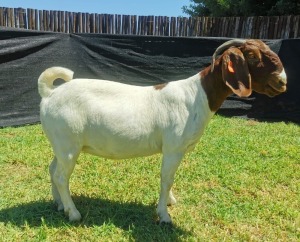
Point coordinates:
[[137, 60]]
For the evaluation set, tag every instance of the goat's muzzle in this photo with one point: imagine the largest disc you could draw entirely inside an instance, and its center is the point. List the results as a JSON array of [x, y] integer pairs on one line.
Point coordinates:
[[277, 84]]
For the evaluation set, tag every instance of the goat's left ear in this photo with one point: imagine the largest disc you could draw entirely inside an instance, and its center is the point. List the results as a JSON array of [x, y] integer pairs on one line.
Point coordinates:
[[235, 72]]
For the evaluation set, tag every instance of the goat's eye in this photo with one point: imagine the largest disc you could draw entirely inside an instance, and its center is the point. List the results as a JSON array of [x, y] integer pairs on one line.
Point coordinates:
[[252, 58]]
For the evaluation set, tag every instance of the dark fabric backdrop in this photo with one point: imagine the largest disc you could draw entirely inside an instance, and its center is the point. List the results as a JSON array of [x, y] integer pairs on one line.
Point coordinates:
[[138, 60]]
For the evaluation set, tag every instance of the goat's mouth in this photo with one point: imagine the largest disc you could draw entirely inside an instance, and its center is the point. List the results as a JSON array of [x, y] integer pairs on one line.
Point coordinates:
[[277, 83], [274, 89]]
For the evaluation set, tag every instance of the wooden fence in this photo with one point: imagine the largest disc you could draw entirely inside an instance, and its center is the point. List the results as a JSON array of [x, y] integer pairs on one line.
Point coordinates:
[[276, 27]]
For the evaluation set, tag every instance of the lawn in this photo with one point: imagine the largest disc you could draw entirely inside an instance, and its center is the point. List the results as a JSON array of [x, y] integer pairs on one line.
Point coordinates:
[[241, 183]]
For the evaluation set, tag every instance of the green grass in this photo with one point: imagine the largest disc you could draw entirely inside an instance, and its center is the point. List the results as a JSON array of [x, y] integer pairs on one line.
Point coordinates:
[[241, 183]]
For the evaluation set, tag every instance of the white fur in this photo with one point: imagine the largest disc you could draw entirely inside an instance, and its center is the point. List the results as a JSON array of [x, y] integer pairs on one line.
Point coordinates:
[[118, 121], [283, 77]]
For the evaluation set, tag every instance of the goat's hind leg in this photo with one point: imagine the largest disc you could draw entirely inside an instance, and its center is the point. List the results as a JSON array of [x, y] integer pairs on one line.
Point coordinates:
[[61, 175], [55, 193]]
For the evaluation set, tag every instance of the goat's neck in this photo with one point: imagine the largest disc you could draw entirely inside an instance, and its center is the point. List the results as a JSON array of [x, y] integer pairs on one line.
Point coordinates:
[[214, 86]]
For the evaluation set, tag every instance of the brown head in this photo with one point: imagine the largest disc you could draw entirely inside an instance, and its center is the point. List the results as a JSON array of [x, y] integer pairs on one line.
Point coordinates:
[[248, 65]]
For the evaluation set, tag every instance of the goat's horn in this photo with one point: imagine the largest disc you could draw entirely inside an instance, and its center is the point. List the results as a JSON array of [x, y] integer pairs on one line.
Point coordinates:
[[224, 46]]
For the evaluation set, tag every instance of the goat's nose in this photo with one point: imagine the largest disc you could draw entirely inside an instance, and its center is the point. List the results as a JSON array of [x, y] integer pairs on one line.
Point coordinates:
[[282, 78]]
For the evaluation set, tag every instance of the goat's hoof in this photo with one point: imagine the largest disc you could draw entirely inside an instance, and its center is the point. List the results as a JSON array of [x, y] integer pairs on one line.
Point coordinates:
[[165, 224], [166, 220], [60, 207], [171, 201], [74, 216]]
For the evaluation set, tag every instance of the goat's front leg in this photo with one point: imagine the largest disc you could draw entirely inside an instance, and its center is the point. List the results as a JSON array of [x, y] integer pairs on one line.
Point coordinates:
[[170, 164]]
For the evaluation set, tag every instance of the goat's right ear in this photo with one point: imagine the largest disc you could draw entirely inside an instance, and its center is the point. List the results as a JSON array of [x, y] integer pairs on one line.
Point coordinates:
[[235, 72]]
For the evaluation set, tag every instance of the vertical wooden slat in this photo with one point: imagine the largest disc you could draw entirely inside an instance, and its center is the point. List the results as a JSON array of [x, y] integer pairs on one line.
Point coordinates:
[[56, 22], [123, 25], [204, 26], [133, 24], [296, 27], [173, 26], [92, 23], [5, 17], [198, 27], [100, 20], [21, 15], [88, 23], [139, 32], [29, 19], [261, 32], [276, 19], [67, 22], [179, 24], [96, 23], [108, 23], [48, 20], [158, 25], [51, 21], [33, 19], [145, 25], [167, 26], [75, 22], [267, 26], [104, 23], [41, 20], [111, 23], [70, 15], [16, 18], [59, 21], [271, 27], [1, 16], [82, 22], [286, 28], [279, 24], [150, 22], [45, 20], [118, 23], [10, 17], [63, 20], [190, 26], [78, 22], [36, 25], [280, 27]]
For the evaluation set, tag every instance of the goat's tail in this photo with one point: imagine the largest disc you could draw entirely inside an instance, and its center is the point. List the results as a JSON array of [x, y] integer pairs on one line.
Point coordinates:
[[46, 79]]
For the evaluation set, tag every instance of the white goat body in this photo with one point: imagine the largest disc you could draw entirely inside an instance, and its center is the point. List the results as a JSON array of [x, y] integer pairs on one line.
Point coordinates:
[[118, 121]]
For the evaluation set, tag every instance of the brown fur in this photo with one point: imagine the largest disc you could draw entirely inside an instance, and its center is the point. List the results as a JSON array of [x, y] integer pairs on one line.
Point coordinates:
[[160, 86]]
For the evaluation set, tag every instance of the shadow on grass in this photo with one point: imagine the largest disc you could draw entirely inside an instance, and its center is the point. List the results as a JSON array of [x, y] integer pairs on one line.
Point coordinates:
[[135, 218]]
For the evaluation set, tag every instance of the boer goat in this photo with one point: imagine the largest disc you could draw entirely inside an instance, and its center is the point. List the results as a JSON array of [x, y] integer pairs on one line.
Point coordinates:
[[119, 121]]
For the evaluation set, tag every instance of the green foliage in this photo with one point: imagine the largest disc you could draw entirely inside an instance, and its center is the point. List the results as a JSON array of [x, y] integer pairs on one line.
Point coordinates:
[[241, 183], [242, 7]]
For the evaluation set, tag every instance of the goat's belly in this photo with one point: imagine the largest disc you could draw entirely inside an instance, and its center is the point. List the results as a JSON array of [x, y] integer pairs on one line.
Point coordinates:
[[124, 150]]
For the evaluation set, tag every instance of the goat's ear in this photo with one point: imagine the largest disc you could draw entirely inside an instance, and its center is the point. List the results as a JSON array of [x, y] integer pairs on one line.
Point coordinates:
[[235, 72]]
